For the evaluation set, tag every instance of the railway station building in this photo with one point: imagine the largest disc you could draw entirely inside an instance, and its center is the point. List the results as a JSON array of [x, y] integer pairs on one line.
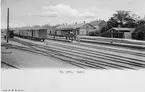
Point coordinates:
[[77, 29]]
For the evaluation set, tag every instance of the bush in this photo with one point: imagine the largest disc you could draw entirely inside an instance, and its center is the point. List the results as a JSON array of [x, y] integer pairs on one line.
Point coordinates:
[[94, 33], [106, 34], [139, 33]]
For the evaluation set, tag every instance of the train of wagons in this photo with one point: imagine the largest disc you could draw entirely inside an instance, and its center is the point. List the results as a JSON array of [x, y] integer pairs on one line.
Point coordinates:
[[39, 34]]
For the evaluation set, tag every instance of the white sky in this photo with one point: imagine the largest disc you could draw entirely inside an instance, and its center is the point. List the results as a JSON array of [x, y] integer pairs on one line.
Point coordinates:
[[39, 12]]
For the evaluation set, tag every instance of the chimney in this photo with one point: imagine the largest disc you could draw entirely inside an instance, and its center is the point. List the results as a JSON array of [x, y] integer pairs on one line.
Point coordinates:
[[76, 23], [84, 22]]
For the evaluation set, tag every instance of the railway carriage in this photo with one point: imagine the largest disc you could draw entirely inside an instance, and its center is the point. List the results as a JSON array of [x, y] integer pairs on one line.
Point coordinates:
[[11, 33], [32, 33]]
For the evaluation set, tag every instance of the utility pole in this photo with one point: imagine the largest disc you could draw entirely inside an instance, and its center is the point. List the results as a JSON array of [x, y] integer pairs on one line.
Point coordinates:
[[7, 26]]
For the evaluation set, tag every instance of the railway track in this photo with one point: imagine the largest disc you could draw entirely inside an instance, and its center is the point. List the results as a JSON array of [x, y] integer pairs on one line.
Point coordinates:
[[8, 65], [126, 51], [82, 58], [93, 54], [92, 58], [110, 49], [85, 58], [96, 52], [48, 53]]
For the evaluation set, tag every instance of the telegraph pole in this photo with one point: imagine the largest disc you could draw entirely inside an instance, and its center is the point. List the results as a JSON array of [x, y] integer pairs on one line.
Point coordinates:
[[7, 26]]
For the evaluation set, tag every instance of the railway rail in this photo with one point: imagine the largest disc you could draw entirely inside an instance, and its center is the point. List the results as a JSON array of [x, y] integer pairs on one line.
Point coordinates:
[[8, 65], [86, 58]]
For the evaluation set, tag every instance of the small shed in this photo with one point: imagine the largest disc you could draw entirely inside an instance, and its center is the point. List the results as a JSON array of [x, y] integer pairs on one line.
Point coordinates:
[[121, 32]]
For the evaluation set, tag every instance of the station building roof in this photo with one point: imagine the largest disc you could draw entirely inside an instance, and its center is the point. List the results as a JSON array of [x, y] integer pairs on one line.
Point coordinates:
[[64, 27], [72, 27], [28, 28], [122, 29]]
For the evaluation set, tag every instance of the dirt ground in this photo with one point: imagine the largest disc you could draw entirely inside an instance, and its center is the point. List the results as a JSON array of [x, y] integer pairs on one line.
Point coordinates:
[[24, 59]]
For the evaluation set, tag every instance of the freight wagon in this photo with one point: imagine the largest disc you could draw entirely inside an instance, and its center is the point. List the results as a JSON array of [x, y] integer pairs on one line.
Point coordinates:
[[10, 34], [32, 33], [39, 34]]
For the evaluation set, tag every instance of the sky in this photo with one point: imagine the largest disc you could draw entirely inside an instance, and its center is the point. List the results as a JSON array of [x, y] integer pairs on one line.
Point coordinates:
[[40, 12]]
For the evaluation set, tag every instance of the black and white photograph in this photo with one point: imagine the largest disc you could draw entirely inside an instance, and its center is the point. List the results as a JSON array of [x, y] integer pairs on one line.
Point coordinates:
[[72, 45]]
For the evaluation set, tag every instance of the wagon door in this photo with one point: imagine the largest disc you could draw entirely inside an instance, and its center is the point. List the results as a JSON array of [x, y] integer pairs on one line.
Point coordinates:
[[36, 33], [42, 33]]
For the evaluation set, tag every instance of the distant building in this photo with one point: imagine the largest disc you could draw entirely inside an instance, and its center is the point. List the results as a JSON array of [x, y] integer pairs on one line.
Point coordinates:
[[98, 24], [97, 27], [121, 32]]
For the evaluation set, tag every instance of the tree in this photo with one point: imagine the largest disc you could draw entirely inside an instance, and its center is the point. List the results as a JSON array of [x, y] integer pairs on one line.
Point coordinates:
[[139, 32], [126, 18], [122, 18], [140, 22]]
